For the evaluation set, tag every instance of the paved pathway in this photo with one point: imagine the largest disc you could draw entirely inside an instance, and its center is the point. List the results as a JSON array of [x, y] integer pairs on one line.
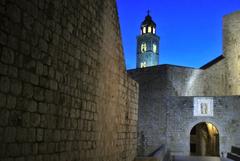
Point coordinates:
[[199, 158]]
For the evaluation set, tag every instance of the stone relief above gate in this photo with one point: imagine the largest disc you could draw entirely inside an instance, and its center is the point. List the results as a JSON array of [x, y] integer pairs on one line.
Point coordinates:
[[203, 106]]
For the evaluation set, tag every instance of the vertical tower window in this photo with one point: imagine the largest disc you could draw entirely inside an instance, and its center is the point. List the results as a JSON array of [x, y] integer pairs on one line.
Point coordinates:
[[154, 48], [149, 29], [154, 30], [143, 47], [143, 64], [144, 30]]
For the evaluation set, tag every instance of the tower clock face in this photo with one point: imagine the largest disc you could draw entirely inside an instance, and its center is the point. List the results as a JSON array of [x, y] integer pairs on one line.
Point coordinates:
[[143, 47]]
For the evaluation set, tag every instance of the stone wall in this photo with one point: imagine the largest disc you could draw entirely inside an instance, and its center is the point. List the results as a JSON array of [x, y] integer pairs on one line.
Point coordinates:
[[169, 80], [223, 77], [185, 81], [64, 91], [214, 80], [180, 121], [156, 84], [151, 126], [231, 47], [164, 117], [169, 120]]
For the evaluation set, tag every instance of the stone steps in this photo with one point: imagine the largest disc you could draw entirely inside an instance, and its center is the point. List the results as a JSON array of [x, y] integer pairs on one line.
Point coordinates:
[[195, 158], [234, 154], [235, 150], [146, 159], [226, 159], [160, 154], [199, 158]]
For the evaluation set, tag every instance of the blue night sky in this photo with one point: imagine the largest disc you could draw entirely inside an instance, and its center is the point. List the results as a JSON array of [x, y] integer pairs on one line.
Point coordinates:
[[190, 30]]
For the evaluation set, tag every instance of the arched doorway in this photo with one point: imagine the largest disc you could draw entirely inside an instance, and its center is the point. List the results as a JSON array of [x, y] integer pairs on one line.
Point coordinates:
[[204, 140]]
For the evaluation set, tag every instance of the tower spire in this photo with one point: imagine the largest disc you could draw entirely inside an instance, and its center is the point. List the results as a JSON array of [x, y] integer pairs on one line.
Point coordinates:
[[148, 12]]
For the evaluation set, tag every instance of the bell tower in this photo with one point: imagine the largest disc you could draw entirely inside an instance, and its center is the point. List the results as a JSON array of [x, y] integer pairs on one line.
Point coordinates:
[[147, 44]]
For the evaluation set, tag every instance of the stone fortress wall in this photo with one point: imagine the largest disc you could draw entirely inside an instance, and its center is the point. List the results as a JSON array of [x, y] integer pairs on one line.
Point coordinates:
[[65, 94], [64, 91], [223, 78], [231, 48], [165, 116]]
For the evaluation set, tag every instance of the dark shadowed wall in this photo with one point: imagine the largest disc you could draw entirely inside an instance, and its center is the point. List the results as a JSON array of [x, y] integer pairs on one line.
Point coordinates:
[[64, 92]]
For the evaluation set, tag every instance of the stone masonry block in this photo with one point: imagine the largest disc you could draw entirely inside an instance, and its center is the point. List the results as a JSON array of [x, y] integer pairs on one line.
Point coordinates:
[[40, 134], [31, 134], [3, 69], [22, 134], [27, 90], [7, 56], [13, 72], [14, 13], [31, 105], [1, 134], [13, 41], [11, 102], [4, 115], [42, 148], [25, 48], [35, 119], [3, 38], [13, 150], [28, 21], [43, 108], [16, 87], [10, 134], [20, 158], [3, 150], [38, 94], [2, 100]]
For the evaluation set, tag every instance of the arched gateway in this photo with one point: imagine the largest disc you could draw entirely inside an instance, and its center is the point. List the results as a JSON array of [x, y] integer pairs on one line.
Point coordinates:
[[204, 139]]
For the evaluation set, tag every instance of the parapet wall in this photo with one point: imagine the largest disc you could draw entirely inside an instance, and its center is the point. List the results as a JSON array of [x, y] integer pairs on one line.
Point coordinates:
[[64, 91]]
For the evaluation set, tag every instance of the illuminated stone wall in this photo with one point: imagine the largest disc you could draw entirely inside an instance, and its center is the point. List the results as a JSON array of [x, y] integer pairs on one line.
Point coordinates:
[[180, 121], [156, 84], [166, 117], [163, 116], [231, 47], [213, 80], [64, 91], [223, 78]]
